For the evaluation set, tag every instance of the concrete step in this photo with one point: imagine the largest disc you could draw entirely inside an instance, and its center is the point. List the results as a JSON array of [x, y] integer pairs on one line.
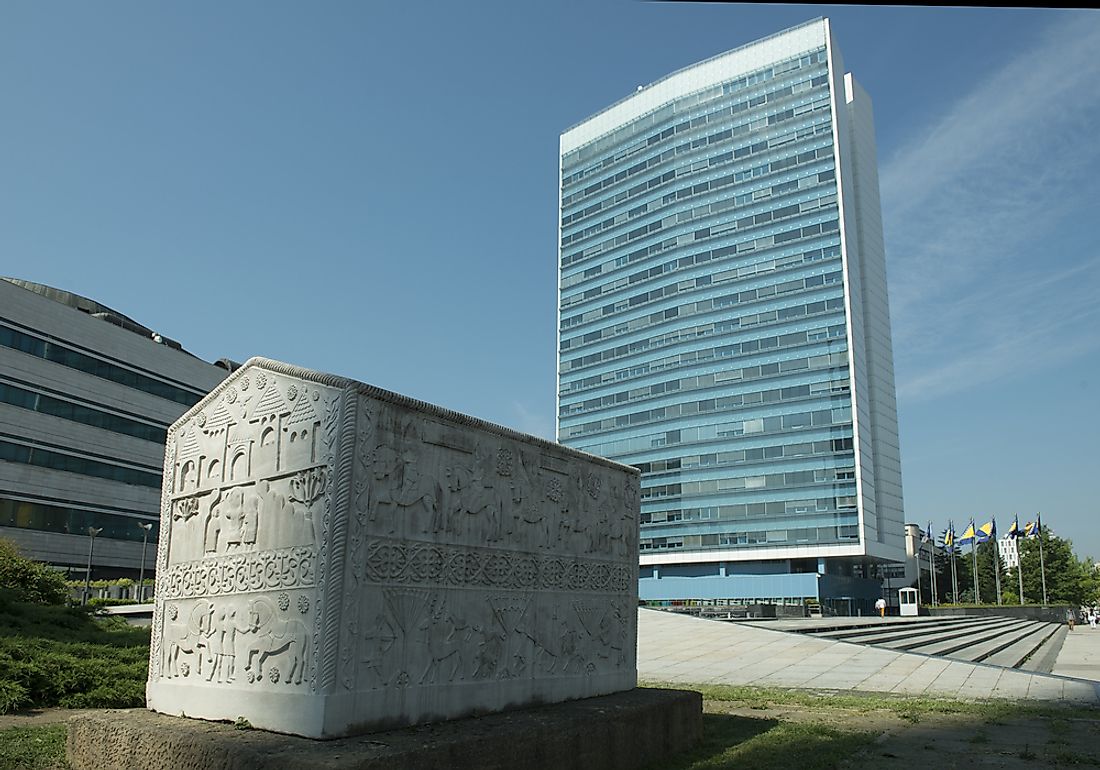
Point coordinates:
[[948, 647], [901, 639], [1043, 659], [860, 632], [978, 652], [1013, 655]]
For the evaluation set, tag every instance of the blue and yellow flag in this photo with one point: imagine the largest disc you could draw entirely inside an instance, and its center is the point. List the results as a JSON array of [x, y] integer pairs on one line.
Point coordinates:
[[967, 536], [949, 538], [987, 531], [1014, 529], [926, 535], [1031, 529]]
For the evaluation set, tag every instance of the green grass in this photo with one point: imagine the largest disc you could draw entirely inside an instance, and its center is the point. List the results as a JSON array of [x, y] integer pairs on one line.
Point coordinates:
[[817, 738], [33, 748], [62, 656], [908, 707], [730, 742]]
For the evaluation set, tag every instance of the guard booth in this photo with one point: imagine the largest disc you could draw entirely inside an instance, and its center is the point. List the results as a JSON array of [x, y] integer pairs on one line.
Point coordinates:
[[908, 602]]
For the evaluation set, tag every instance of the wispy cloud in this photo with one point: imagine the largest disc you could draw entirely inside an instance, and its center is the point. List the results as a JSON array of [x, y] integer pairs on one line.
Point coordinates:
[[980, 212]]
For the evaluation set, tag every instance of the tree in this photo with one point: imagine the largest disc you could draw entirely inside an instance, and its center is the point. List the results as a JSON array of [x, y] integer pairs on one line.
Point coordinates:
[[943, 578], [988, 553], [1069, 580], [1090, 581], [29, 581]]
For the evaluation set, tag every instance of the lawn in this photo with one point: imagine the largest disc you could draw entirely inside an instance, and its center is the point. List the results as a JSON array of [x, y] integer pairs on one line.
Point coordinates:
[[33, 748], [64, 656], [747, 727]]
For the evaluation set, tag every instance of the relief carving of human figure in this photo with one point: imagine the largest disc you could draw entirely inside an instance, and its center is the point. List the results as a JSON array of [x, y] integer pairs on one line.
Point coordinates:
[[231, 522], [530, 509], [469, 506], [442, 636], [222, 643], [489, 642], [612, 636], [376, 645], [186, 637], [293, 522], [546, 641], [399, 487]]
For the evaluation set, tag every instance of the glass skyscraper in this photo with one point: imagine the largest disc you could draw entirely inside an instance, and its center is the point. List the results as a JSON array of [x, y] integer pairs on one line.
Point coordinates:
[[724, 325]]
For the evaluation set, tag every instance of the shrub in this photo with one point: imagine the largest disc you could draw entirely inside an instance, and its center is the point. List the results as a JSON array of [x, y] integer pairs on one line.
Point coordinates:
[[99, 601], [65, 656], [29, 581]]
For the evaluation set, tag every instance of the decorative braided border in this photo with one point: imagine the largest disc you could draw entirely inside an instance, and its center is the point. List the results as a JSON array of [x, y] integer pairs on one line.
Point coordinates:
[[337, 536]]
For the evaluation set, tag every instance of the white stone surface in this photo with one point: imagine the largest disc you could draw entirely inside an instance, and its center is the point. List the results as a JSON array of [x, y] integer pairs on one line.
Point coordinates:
[[693, 651], [336, 558]]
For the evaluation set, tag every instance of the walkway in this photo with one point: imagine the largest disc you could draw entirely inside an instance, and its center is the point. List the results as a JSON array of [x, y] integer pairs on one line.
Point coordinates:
[[1080, 655], [690, 650]]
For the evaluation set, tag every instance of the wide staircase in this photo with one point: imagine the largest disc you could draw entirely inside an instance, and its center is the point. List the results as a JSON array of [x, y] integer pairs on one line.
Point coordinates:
[[1031, 645]]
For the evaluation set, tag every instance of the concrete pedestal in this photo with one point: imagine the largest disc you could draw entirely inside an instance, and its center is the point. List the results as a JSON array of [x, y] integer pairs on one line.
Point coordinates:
[[624, 731]]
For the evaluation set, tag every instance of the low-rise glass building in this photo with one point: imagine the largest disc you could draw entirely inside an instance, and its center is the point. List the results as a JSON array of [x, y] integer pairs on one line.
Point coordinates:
[[86, 398]]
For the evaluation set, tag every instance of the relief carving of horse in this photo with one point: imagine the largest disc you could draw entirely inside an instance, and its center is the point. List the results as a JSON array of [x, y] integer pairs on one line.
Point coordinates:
[[271, 636], [188, 638], [400, 487]]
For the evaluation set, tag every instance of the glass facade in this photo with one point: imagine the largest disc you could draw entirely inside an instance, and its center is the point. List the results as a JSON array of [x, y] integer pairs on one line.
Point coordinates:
[[26, 514], [704, 330], [36, 400], [58, 458], [67, 355], [86, 399]]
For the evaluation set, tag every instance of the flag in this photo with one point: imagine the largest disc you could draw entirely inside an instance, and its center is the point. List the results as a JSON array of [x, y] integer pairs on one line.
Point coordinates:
[[1014, 530], [1031, 529], [968, 535], [926, 536], [949, 538], [987, 531]]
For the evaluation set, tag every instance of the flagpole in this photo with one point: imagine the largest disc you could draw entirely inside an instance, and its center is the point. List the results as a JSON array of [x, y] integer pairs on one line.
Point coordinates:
[[932, 568], [954, 571], [1042, 566], [920, 591], [974, 562], [997, 565], [954, 578], [1020, 567]]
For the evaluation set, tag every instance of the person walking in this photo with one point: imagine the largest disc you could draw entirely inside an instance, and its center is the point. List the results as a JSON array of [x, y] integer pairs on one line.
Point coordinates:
[[1070, 618], [880, 605]]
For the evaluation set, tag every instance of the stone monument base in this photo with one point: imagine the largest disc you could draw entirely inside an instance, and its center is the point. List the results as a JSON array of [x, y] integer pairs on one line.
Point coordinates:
[[627, 730]]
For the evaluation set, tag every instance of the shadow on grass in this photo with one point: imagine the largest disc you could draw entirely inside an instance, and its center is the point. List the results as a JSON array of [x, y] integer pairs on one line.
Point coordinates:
[[768, 744]]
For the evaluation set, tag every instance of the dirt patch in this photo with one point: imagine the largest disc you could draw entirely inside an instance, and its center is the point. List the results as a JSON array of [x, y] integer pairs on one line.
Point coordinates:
[[948, 740], [39, 717]]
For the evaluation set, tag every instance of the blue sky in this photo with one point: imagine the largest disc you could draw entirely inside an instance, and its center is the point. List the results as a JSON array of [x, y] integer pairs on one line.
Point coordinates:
[[370, 189]]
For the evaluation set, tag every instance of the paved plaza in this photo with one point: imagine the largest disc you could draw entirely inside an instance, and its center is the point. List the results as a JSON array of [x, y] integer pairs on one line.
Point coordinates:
[[687, 650], [1080, 655]]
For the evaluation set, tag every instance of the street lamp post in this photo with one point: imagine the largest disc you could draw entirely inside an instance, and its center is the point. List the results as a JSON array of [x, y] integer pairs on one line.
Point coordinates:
[[144, 542], [92, 532]]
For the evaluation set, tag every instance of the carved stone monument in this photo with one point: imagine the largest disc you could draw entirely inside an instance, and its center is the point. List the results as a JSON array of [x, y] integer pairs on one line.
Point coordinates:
[[336, 559]]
